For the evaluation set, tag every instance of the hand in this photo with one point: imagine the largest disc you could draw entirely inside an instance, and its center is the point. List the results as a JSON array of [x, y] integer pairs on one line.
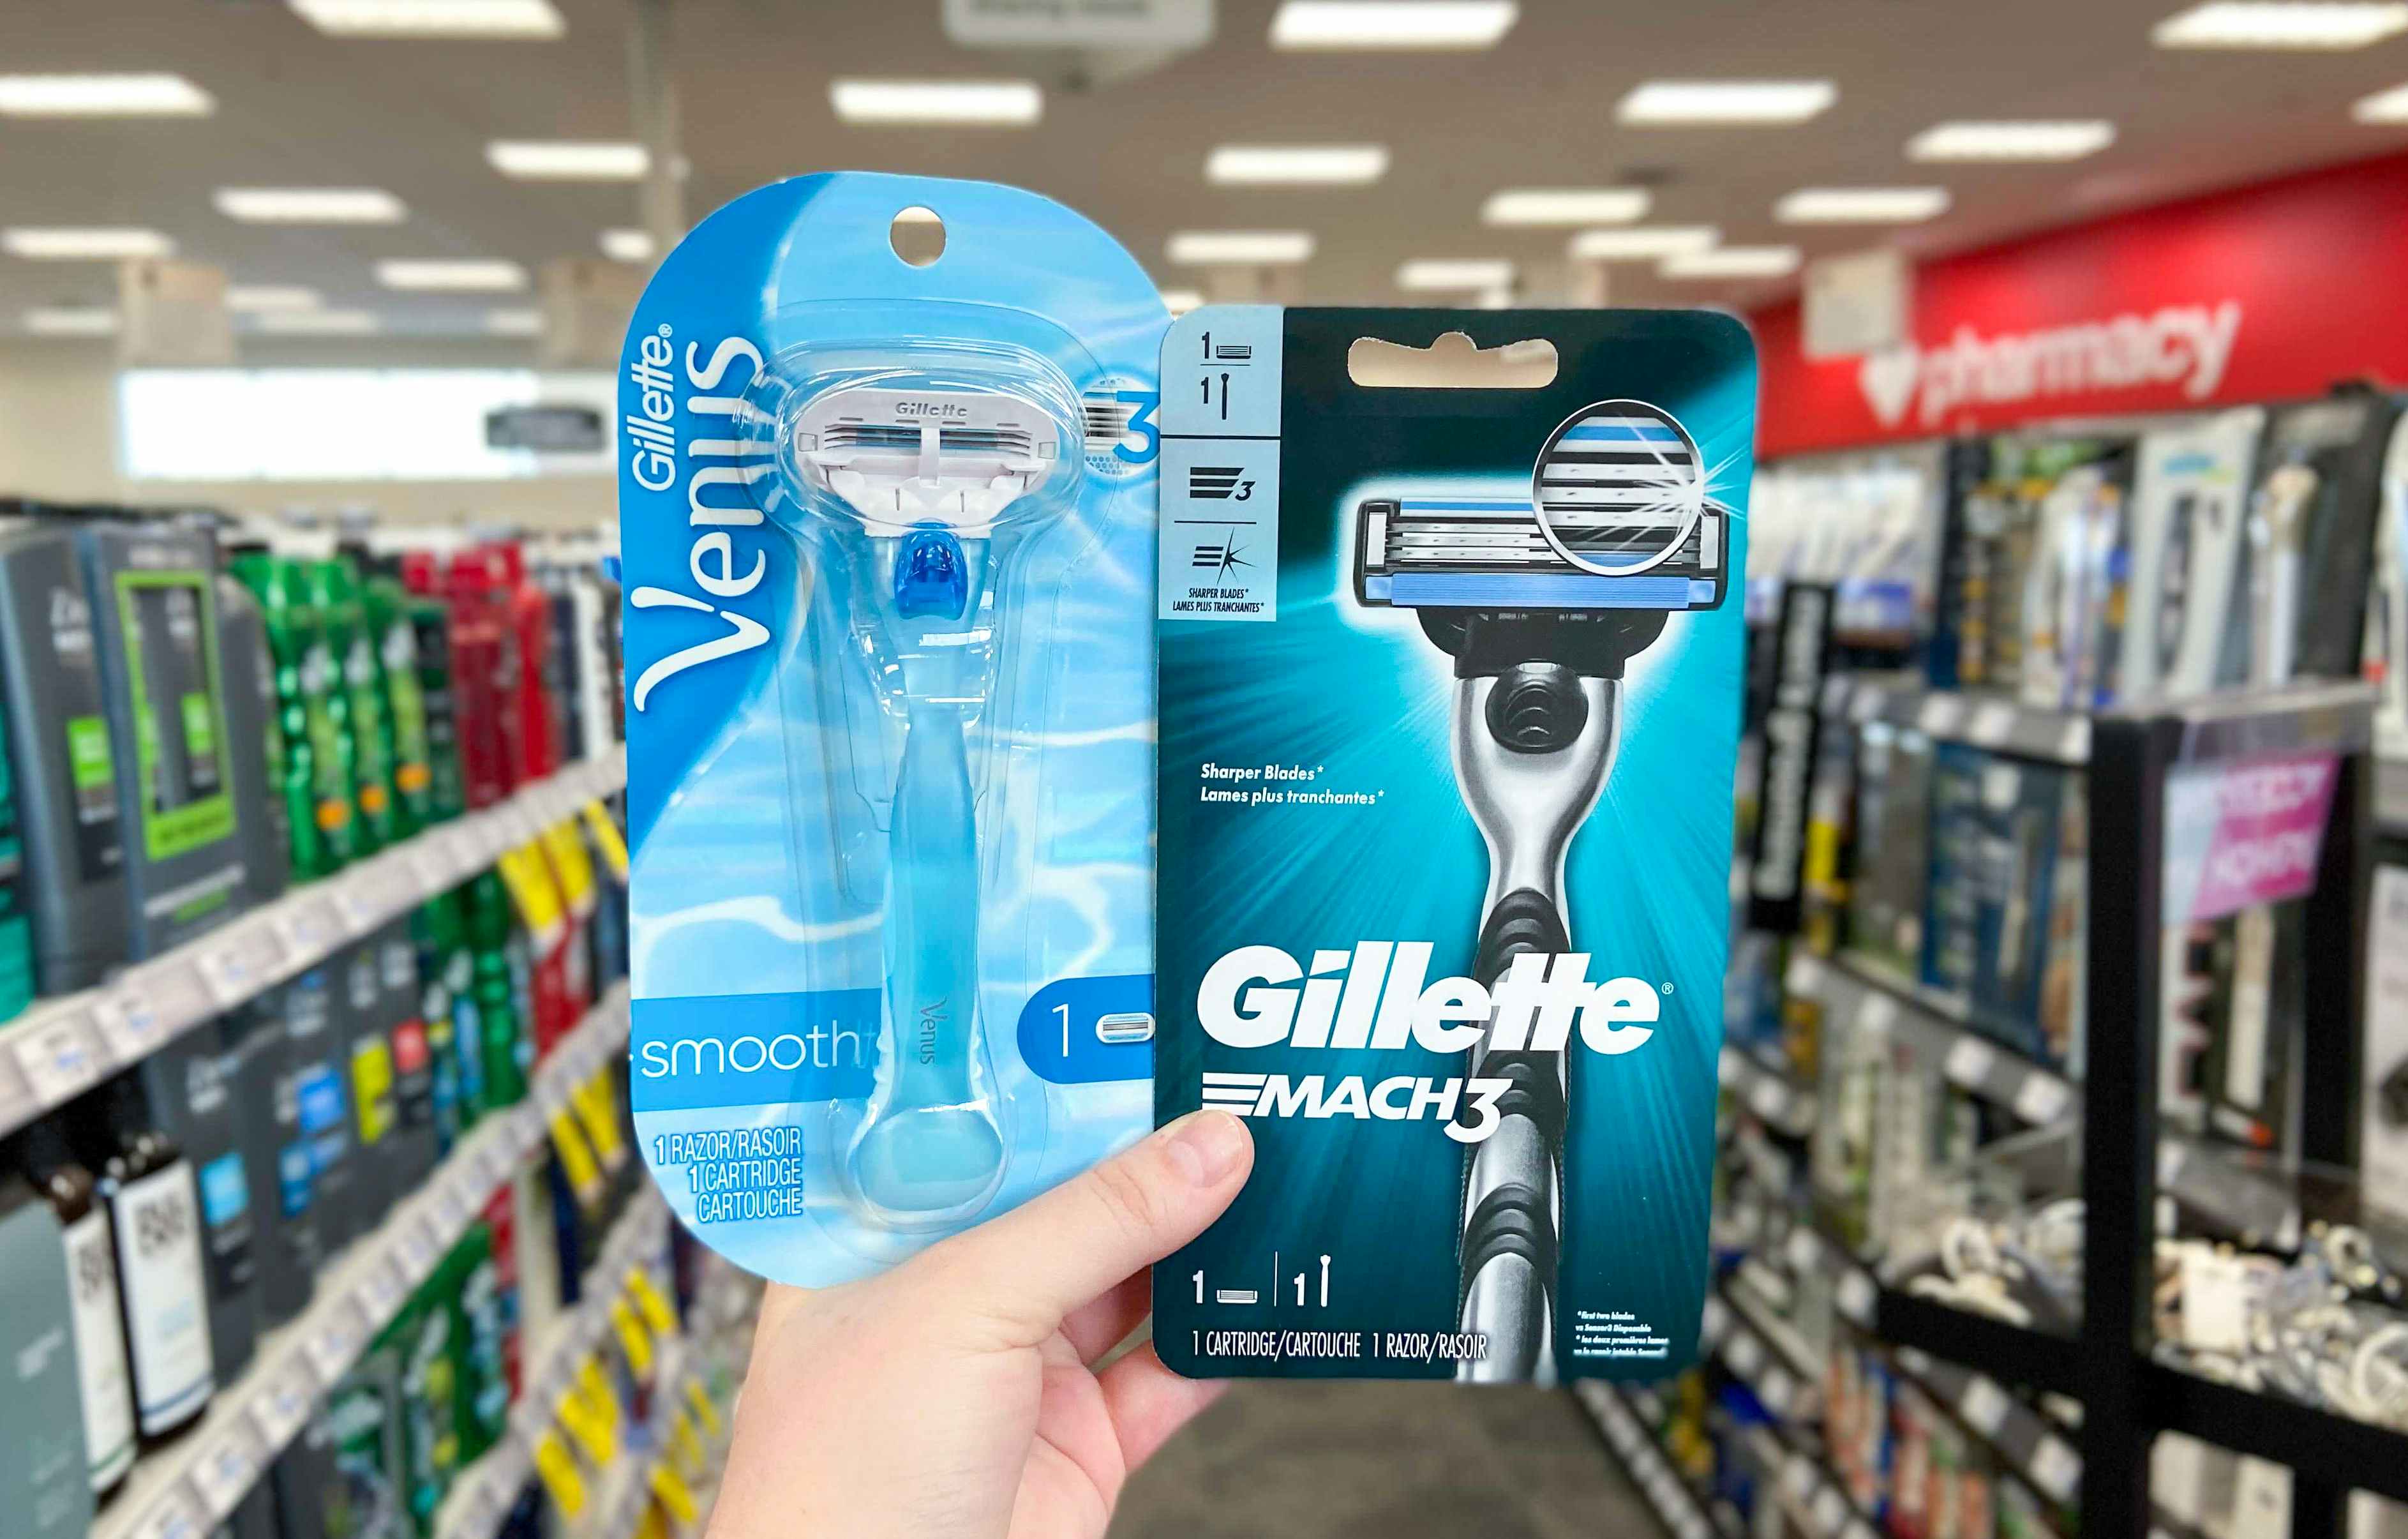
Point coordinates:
[[955, 1397]]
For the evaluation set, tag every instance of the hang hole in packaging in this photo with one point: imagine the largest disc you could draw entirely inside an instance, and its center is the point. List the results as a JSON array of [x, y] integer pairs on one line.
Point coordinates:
[[887, 522]]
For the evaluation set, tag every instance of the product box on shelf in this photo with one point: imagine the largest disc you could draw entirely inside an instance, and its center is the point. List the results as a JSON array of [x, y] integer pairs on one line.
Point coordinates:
[[1951, 893], [1893, 831], [888, 531], [1451, 596]]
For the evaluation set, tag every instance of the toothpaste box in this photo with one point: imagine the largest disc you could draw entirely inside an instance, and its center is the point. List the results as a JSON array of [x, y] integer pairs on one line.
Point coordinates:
[[1450, 631]]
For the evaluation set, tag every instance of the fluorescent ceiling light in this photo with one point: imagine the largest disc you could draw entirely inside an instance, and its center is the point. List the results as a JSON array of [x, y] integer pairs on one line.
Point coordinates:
[[1565, 206], [321, 323], [260, 298], [2383, 107], [71, 321], [568, 160], [486, 276], [1240, 248], [2282, 25], [84, 245], [1733, 262], [1392, 23], [514, 322], [627, 245], [310, 205], [1726, 102], [430, 18], [1296, 164], [961, 103], [1493, 299], [1642, 243], [1454, 273], [1179, 301], [2005, 141], [1861, 205], [102, 96]]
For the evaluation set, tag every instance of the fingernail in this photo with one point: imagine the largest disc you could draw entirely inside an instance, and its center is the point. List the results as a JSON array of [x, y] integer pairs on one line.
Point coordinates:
[[1206, 1146]]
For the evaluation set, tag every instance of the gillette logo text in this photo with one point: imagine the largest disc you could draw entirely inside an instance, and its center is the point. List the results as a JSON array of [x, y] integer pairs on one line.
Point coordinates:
[[718, 475], [1376, 996]]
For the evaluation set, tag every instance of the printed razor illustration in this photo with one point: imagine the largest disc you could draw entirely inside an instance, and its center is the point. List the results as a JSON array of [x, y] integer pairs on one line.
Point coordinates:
[[1540, 602], [916, 487]]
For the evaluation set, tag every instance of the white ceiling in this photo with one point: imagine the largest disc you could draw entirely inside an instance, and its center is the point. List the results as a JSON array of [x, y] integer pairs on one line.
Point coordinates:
[[298, 108]]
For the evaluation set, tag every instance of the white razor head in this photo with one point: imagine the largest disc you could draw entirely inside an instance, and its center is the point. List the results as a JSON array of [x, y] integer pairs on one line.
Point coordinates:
[[903, 458]]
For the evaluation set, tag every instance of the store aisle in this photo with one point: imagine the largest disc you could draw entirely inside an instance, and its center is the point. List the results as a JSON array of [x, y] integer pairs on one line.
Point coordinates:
[[1383, 1461]]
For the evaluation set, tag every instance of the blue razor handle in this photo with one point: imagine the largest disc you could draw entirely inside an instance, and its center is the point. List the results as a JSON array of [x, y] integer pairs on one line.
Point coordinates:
[[930, 1145]]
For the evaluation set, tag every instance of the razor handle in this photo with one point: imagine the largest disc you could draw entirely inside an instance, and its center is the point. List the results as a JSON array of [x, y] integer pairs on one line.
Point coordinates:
[[930, 1144], [1532, 744]]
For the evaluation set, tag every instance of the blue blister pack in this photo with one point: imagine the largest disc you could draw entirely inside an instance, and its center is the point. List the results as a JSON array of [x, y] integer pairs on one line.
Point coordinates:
[[888, 534]]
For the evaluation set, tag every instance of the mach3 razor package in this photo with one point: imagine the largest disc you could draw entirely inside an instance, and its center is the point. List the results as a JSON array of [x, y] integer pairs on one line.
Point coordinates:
[[888, 534], [1451, 622]]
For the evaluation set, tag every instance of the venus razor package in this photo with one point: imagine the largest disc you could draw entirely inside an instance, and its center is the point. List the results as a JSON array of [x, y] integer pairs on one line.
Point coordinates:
[[1450, 630], [888, 523]]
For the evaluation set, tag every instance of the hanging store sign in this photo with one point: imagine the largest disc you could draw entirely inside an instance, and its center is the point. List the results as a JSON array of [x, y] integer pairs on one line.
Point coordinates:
[[2264, 294]]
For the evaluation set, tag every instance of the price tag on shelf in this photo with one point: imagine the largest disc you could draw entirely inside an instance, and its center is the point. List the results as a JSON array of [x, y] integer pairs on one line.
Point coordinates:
[[1712, 1320], [308, 927], [430, 869], [1779, 1390], [1831, 1509], [2041, 1098], [467, 850], [419, 1248], [1805, 973], [381, 1290], [2073, 743], [333, 1343], [1914, 1360], [1984, 1405], [1970, 1060], [177, 1515], [1804, 1254], [227, 1469], [1768, 1097], [130, 1026], [1867, 706], [1993, 723], [237, 962], [1730, 1068], [2056, 1468], [279, 1410], [454, 1205], [1856, 1296], [1798, 1477], [1876, 1013], [61, 1057], [1939, 713], [1745, 1354]]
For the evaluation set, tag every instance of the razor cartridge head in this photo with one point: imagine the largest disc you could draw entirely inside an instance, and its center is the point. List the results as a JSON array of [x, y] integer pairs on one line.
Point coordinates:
[[904, 458], [1493, 554]]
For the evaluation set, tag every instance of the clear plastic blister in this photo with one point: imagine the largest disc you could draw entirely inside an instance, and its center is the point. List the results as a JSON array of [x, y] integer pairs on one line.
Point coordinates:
[[892, 900]]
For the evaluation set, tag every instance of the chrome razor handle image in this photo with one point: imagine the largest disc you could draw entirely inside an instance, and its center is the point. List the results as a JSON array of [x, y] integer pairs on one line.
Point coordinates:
[[1532, 747], [916, 489]]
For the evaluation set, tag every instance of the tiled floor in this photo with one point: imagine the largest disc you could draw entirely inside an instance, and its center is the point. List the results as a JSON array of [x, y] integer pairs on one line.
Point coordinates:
[[1386, 1462]]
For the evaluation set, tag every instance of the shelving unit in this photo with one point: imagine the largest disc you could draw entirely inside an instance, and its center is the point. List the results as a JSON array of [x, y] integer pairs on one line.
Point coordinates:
[[185, 1490], [1983, 1370], [64, 1047]]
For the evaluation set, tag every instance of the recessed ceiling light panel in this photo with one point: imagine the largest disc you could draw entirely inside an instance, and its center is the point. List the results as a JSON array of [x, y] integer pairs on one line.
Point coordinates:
[[2268, 24], [1296, 164], [445, 276], [1566, 205], [71, 321], [310, 205], [1861, 205], [1726, 103], [1392, 24], [1733, 262], [109, 244], [1240, 248], [568, 160], [1642, 242], [1455, 273], [2012, 141], [432, 19], [319, 323], [959, 104], [261, 298], [102, 96]]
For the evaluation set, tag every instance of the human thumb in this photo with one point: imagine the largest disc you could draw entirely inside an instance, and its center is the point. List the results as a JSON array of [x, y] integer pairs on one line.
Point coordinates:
[[1036, 1264]]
